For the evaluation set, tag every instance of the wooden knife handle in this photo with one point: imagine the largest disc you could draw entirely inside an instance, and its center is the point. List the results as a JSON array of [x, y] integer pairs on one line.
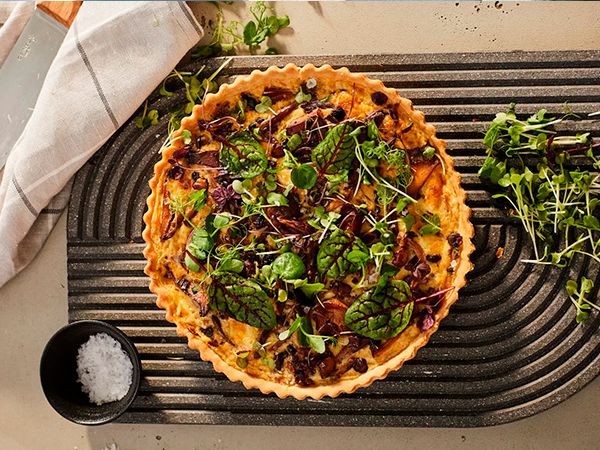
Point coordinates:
[[63, 12]]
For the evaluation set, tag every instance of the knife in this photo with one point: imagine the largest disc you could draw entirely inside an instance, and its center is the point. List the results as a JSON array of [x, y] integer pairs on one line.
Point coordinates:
[[24, 70]]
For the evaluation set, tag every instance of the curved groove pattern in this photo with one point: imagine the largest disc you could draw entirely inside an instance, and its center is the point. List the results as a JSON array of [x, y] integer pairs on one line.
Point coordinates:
[[510, 346]]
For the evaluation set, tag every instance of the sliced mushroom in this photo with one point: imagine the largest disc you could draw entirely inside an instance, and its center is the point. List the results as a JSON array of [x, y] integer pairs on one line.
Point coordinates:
[[329, 317], [170, 221]]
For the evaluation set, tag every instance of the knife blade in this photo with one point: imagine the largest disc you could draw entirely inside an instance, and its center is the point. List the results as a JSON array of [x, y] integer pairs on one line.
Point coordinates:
[[24, 70]]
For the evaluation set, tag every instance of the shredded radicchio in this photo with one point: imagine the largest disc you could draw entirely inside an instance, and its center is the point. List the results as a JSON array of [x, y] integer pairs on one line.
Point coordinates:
[[421, 271], [223, 196], [427, 319], [427, 314]]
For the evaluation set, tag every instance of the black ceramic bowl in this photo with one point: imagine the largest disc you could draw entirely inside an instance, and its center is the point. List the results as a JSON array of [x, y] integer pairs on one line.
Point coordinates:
[[58, 374]]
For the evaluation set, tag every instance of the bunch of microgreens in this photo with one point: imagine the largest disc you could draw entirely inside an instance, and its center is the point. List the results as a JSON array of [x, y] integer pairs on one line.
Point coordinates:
[[227, 39], [558, 205]]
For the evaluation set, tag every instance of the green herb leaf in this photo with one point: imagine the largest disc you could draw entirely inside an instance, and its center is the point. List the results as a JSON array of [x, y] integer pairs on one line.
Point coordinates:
[[249, 33], [191, 264], [293, 142], [186, 136], [243, 299], [373, 131], [309, 289], [244, 155], [578, 296], [432, 224], [428, 152], [231, 265], [304, 176], [277, 199], [199, 199], [305, 337], [333, 256], [270, 182], [288, 266], [291, 330], [336, 152], [221, 221], [264, 105], [281, 295], [301, 97], [201, 243], [409, 221], [147, 118], [381, 313]]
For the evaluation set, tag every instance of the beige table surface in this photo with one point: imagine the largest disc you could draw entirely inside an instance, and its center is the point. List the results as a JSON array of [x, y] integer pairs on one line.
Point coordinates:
[[34, 305]]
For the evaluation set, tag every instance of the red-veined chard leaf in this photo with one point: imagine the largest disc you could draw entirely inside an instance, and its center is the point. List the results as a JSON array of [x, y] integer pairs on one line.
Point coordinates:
[[336, 152], [243, 299], [333, 258], [381, 313], [243, 155]]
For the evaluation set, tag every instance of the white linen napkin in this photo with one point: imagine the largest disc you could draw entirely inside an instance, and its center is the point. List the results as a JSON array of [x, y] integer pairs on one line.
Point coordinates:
[[112, 58]]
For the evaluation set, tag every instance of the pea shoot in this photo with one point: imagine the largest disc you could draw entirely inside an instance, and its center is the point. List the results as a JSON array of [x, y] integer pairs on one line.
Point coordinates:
[[306, 338], [147, 118], [528, 162], [229, 36]]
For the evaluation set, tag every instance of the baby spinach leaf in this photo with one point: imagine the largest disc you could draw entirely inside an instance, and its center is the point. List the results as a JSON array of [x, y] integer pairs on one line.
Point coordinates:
[[243, 299], [304, 176], [333, 257], [381, 313], [231, 265], [336, 152], [200, 244], [243, 155], [288, 266]]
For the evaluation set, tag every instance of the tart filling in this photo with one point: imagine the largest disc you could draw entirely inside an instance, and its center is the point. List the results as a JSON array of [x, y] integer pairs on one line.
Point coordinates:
[[306, 231]]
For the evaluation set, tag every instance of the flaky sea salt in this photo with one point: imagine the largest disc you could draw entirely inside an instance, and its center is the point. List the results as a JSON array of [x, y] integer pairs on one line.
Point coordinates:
[[104, 369]]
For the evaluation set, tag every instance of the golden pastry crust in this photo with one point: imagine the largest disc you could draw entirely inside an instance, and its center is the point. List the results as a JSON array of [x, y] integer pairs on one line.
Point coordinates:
[[440, 193]]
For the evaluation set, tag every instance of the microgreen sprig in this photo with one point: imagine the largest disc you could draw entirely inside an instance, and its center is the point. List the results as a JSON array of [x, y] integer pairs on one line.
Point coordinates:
[[305, 337], [528, 161]]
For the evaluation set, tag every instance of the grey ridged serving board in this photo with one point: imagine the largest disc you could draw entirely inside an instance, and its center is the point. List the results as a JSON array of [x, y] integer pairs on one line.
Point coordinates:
[[509, 348]]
